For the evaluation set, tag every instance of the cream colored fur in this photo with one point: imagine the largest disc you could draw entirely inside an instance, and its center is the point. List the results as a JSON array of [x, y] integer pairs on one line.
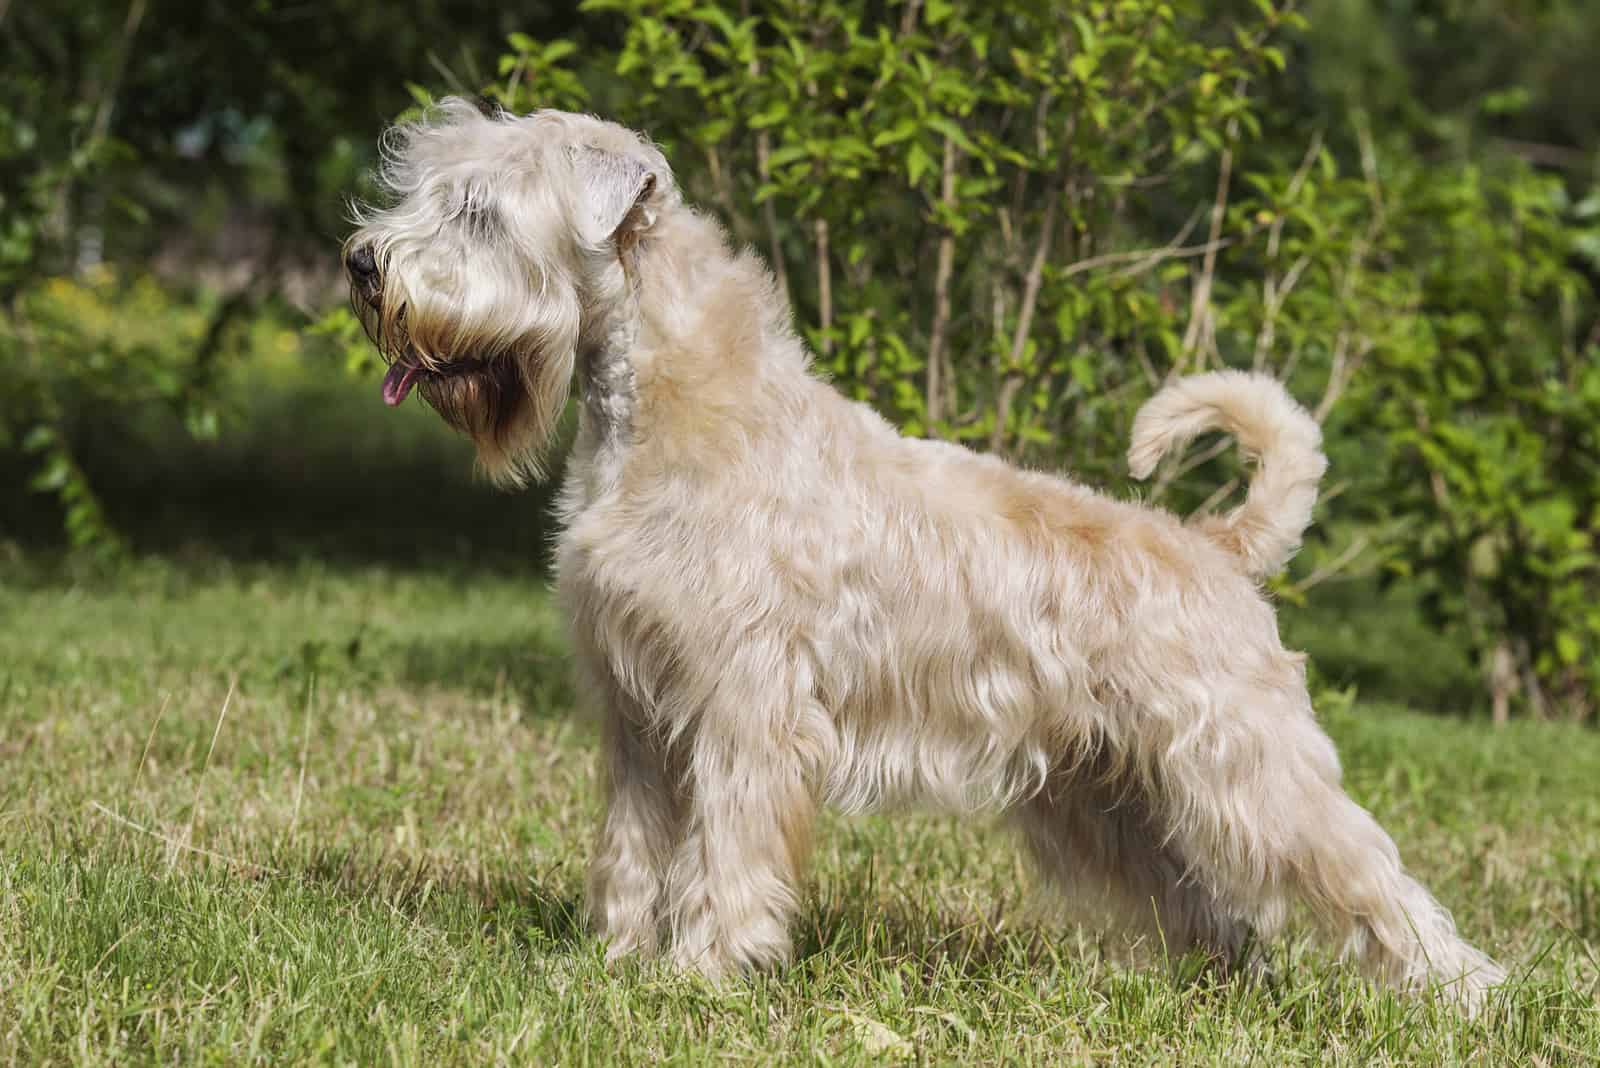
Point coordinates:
[[779, 602]]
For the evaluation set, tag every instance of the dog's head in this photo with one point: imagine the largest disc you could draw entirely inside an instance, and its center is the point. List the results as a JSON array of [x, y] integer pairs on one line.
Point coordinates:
[[495, 259]]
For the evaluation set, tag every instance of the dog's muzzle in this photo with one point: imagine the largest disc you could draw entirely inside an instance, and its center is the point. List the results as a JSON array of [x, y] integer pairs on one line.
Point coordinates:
[[362, 265]]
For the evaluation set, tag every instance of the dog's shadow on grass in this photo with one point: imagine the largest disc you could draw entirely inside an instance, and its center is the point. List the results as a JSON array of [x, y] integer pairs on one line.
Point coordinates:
[[535, 919], [937, 942], [541, 920], [533, 669], [933, 944]]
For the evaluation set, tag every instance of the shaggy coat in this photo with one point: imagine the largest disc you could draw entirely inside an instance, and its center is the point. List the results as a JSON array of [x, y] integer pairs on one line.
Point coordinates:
[[778, 602]]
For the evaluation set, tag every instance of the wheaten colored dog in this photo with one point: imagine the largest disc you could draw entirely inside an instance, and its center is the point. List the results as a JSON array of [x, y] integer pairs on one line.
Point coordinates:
[[778, 602]]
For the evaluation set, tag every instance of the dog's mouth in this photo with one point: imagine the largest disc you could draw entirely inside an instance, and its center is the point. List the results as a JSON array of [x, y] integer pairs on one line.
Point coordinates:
[[398, 382], [407, 371]]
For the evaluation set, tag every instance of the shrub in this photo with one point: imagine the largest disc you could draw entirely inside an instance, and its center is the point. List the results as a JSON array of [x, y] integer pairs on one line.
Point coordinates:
[[1006, 224]]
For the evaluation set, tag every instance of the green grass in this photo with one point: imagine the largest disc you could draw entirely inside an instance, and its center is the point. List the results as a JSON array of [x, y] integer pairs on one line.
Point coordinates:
[[372, 852]]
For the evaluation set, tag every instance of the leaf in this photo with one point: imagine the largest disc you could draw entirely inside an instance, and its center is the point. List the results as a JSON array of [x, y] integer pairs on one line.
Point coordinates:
[[556, 51], [1086, 34], [39, 438], [770, 115], [954, 132], [787, 154], [880, 1040], [53, 476], [918, 163]]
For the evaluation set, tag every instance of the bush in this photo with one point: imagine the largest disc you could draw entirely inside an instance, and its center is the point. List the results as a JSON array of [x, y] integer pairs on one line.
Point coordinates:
[[1007, 224]]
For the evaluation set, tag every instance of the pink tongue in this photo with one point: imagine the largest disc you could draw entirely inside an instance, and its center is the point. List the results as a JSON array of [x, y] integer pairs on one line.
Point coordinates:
[[398, 382]]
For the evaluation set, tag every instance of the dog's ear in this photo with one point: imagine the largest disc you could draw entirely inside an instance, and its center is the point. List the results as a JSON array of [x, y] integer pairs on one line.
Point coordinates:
[[616, 192]]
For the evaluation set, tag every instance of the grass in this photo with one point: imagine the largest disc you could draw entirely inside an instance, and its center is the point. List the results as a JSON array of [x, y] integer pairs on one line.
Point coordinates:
[[254, 809], [288, 813]]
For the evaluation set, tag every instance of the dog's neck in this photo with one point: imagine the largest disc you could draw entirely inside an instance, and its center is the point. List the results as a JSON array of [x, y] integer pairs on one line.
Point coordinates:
[[677, 306], [607, 386]]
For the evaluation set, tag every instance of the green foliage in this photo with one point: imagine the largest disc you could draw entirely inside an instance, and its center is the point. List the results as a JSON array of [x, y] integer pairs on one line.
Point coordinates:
[[1007, 224], [217, 138], [1490, 417], [1000, 142], [999, 224], [47, 147]]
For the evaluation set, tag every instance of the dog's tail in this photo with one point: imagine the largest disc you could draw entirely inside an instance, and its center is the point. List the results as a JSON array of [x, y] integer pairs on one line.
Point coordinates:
[[1265, 530]]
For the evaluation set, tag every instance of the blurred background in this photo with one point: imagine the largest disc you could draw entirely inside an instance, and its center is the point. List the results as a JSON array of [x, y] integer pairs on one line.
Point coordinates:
[[1002, 224]]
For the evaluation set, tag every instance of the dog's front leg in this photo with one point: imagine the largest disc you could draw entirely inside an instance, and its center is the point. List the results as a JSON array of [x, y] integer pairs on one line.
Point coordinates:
[[644, 812], [733, 882]]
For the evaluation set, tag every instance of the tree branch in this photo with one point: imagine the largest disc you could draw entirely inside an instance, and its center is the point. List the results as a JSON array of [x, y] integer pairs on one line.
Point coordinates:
[[769, 213], [1143, 259], [1273, 295], [824, 285], [1334, 566], [108, 96], [941, 288], [1200, 305], [1019, 338]]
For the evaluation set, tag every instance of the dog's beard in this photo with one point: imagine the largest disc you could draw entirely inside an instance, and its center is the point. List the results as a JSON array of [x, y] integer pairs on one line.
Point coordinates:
[[506, 393], [484, 399], [492, 401], [479, 397]]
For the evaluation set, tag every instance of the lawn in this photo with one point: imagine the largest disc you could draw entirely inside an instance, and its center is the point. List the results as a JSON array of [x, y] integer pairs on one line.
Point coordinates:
[[255, 808], [281, 812]]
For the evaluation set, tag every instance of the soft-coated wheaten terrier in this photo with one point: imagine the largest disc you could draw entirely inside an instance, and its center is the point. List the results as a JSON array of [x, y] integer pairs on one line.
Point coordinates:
[[777, 601]]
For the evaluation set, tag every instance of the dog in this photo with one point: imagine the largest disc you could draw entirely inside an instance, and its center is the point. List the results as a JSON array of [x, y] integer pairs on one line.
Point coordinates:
[[778, 602]]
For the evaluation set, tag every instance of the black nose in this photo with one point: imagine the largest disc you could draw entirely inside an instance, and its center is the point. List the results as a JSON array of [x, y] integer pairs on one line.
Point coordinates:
[[363, 268]]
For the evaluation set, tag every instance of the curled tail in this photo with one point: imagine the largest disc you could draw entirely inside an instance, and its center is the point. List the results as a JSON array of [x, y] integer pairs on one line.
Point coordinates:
[[1265, 530]]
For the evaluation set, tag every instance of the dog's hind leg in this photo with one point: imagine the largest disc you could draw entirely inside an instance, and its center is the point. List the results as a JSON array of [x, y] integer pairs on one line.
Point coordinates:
[[1092, 837], [1253, 799]]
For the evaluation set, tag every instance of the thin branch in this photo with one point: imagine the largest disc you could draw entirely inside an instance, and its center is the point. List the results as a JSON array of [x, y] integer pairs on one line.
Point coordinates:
[[1019, 338], [1200, 305], [941, 286], [1369, 171], [1345, 366], [108, 97], [1176, 471], [1334, 566], [1274, 293], [769, 212], [1142, 259], [824, 285], [869, 100], [451, 79], [1292, 361], [1548, 155], [516, 80], [908, 18], [1220, 494]]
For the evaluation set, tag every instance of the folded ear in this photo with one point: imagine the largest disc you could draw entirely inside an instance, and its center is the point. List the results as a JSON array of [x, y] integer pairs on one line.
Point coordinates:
[[616, 190]]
